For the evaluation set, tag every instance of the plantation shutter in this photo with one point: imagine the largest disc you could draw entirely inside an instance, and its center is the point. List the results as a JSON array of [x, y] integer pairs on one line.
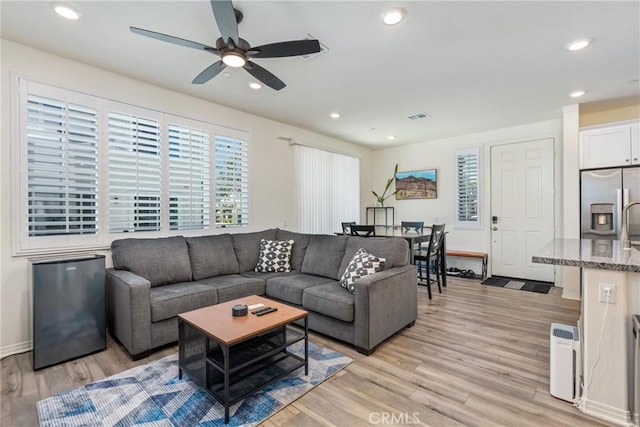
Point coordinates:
[[62, 167], [134, 173], [467, 186], [189, 201], [231, 181]]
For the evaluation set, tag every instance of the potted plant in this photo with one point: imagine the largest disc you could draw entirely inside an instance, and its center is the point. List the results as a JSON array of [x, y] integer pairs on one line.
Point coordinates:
[[381, 198]]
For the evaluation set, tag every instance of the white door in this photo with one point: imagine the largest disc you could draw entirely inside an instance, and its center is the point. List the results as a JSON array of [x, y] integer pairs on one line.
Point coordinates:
[[522, 208]]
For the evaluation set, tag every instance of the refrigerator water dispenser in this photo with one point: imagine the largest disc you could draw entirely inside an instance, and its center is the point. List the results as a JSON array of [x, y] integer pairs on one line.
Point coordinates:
[[602, 218]]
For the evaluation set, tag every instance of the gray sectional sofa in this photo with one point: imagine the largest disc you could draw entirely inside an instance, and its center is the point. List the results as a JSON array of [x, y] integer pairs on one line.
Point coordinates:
[[153, 280]]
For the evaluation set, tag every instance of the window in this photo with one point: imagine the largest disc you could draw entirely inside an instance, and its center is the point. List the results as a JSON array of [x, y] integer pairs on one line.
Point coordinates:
[[134, 173], [62, 167], [90, 169], [232, 181], [188, 178], [328, 187], [468, 188]]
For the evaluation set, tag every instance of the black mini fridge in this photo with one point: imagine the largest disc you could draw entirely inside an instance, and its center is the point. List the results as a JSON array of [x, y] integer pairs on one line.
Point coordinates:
[[68, 308]]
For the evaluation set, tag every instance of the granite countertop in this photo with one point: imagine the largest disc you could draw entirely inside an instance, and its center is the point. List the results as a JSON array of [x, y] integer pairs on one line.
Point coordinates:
[[587, 253]]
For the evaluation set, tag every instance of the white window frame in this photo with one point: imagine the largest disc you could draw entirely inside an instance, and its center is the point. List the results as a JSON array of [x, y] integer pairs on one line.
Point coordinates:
[[142, 114], [23, 244], [461, 223], [197, 126], [238, 136]]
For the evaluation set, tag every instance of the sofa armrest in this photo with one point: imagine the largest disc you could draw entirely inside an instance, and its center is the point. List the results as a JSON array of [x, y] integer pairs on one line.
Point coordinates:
[[129, 309], [385, 302]]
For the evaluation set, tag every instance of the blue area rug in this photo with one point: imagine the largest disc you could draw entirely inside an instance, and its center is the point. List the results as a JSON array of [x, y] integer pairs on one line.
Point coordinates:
[[152, 395]]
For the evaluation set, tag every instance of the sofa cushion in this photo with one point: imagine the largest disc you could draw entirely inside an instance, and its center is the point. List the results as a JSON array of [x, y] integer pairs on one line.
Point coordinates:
[[324, 256], [159, 260], [274, 256], [300, 244], [247, 246], [362, 264], [395, 250], [330, 300], [170, 300], [289, 288], [235, 286], [212, 256]]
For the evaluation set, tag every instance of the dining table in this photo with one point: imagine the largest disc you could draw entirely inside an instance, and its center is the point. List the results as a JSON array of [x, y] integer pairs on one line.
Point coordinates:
[[414, 237]]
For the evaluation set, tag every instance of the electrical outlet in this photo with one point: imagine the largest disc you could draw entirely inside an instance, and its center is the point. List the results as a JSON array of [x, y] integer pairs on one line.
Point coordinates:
[[602, 292]]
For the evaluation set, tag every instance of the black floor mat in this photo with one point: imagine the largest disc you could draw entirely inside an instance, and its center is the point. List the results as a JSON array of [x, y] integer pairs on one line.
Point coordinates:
[[519, 284]]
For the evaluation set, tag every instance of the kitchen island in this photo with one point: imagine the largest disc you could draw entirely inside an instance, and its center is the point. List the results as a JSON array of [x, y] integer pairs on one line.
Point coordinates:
[[606, 329]]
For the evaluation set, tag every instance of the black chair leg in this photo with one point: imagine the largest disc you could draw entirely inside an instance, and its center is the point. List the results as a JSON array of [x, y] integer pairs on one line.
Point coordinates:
[[438, 275]]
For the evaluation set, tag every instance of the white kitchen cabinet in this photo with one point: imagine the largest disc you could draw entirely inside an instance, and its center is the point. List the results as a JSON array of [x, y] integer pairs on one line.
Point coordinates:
[[609, 146]]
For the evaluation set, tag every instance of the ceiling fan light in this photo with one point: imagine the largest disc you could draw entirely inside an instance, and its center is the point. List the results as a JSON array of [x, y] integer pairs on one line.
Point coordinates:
[[233, 59], [393, 16]]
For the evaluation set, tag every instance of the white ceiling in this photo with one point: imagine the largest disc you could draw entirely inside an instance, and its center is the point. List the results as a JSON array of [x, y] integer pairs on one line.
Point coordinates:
[[472, 66]]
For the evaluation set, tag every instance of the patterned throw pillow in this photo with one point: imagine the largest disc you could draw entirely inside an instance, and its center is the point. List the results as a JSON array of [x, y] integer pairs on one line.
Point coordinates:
[[275, 256], [362, 264]]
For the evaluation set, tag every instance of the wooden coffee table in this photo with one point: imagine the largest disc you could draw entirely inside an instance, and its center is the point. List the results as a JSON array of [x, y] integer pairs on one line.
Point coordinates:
[[229, 356]]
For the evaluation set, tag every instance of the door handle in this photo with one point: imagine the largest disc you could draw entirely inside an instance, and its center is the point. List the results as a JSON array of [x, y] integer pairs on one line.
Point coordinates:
[[495, 228]]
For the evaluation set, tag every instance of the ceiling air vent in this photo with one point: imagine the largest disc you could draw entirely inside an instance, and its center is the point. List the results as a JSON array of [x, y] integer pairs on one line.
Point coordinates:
[[323, 48], [419, 116]]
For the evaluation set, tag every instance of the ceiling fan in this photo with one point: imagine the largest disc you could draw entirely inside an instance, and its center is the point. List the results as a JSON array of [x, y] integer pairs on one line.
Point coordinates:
[[237, 52]]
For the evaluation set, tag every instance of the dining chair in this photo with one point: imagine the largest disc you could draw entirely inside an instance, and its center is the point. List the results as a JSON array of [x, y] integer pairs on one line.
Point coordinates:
[[413, 226], [417, 226], [363, 230], [431, 255], [346, 227]]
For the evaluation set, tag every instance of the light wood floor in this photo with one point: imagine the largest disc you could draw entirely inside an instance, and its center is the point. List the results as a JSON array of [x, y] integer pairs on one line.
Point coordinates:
[[477, 356]]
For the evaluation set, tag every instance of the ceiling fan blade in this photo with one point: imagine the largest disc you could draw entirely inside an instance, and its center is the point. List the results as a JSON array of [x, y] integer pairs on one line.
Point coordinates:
[[209, 73], [226, 20], [171, 39], [264, 76], [282, 49]]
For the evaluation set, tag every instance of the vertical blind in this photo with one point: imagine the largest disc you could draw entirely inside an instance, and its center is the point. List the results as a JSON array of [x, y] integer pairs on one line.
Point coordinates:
[[231, 181], [62, 167], [189, 201], [328, 189], [134, 173], [467, 186]]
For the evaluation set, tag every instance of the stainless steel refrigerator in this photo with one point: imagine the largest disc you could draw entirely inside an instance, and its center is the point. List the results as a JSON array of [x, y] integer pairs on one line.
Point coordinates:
[[603, 194]]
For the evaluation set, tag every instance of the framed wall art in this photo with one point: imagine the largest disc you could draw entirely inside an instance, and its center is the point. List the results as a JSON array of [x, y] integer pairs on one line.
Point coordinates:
[[417, 184]]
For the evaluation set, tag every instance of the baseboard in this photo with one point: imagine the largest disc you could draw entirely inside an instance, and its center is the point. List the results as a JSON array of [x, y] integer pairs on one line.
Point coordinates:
[[570, 295], [609, 413], [16, 348]]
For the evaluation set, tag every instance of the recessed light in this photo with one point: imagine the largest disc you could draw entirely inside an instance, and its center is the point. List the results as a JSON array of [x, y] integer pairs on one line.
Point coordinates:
[[577, 93], [391, 137], [578, 44], [393, 16], [254, 85], [66, 11], [334, 115]]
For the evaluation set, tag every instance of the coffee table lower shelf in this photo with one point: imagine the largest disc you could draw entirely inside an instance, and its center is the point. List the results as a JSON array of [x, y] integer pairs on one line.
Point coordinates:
[[231, 373]]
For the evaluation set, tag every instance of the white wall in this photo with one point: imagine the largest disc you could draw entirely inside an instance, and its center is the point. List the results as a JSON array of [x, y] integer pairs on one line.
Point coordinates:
[[271, 188], [440, 154]]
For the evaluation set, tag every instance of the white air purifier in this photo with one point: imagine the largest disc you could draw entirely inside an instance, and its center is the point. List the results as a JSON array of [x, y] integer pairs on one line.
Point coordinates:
[[565, 358]]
